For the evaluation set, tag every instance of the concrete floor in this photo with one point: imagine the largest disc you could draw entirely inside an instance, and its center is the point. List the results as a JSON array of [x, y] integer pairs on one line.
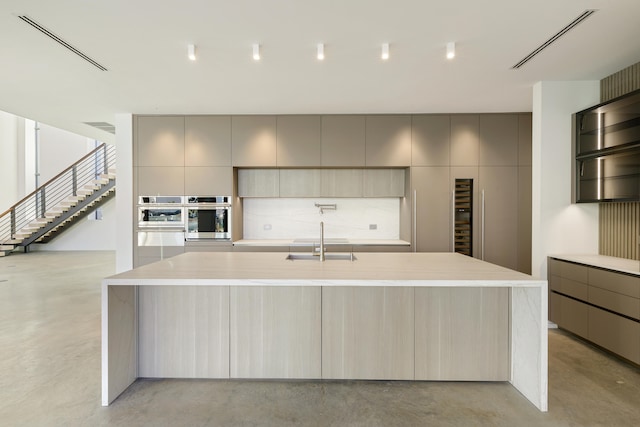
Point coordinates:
[[50, 374]]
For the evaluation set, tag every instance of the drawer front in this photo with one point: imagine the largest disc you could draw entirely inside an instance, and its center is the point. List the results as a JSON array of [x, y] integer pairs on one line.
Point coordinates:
[[615, 333], [555, 283], [576, 272], [616, 302], [574, 289], [573, 316], [554, 267], [554, 307], [620, 283]]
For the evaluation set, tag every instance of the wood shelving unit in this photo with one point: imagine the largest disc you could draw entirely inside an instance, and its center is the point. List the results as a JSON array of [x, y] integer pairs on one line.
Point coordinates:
[[463, 217]]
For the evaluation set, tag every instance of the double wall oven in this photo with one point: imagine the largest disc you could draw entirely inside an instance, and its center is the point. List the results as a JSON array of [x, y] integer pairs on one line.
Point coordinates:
[[197, 217]]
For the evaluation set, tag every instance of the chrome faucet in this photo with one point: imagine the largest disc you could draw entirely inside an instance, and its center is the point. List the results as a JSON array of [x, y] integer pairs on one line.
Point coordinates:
[[321, 241]]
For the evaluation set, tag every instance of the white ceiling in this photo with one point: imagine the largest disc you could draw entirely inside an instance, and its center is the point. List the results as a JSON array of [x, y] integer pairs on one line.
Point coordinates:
[[143, 44]]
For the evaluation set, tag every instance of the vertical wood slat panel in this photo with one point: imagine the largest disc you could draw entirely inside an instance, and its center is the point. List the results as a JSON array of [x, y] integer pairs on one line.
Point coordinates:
[[618, 229]]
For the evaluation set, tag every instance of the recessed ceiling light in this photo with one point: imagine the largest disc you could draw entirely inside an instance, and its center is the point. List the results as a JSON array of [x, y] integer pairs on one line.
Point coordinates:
[[385, 51], [256, 52], [320, 54], [191, 52], [451, 50]]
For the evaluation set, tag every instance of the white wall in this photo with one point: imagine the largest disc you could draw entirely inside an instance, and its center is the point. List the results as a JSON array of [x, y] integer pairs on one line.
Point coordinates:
[[9, 171], [59, 149], [124, 192], [557, 225]]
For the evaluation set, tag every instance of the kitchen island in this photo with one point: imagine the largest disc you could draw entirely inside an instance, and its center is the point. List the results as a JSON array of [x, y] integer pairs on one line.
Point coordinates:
[[381, 316]]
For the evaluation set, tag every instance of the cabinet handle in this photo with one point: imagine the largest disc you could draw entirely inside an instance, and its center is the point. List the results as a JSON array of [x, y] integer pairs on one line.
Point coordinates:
[[453, 220], [415, 232], [482, 226]]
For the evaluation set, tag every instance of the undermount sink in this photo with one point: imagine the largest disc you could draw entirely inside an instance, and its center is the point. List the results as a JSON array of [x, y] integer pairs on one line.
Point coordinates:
[[327, 256]]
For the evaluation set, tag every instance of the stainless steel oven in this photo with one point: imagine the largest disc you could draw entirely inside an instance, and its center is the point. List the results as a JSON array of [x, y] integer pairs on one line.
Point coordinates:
[[161, 212], [208, 217]]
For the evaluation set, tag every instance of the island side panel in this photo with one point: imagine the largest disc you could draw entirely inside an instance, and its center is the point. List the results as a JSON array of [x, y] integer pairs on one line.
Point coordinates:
[[275, 332], [183, 331], [368, 333], [529, 342], [462, 334], [119, 340]]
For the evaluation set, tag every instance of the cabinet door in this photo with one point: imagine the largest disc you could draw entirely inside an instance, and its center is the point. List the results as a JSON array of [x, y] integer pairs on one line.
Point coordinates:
[[465, 140], [253, 140], [258, 183], [160, 141], [207, 141], [367, 333], [499, 140], [299, 182], [343, 141], [433, 208], [164, 181], [430, 139], [499, 219], [208, 181], [524, 139], [384, 182], [298, 141], [342, 182], [615, 333], [388, 140]]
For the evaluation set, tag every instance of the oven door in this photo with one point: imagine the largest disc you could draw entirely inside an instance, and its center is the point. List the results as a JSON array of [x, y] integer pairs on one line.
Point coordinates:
[[208, 223], [160, 216]]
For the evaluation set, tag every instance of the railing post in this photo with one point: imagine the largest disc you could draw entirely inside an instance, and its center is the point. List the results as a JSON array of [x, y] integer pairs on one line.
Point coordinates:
[[74, 179], [13, 224], [43, 203], [104, 155]]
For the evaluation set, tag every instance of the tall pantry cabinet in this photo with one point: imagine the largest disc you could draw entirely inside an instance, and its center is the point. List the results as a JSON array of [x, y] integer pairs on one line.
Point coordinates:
[[492, 150]]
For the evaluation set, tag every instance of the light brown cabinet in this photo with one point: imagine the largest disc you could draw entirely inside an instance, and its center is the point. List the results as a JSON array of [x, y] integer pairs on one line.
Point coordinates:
[[600, 305], [430, 140], [253, 141], [388, 140], [207, 141], [432, 208], [258, 183], [164, 181], [300, 182], [343, 141], [208, 181], [298, 141], [498, 139], [160, 141], [465, 140], [384, 182], [342, 183]]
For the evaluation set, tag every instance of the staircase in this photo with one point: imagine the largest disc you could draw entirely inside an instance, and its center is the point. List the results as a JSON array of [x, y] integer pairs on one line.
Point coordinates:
[[61, 202]]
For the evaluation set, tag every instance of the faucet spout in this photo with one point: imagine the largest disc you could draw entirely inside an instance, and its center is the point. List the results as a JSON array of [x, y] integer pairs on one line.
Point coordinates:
[[321, 241]]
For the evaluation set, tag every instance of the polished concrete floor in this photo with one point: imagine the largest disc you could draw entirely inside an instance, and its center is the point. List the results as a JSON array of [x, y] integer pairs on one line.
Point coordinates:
[[50, 374]]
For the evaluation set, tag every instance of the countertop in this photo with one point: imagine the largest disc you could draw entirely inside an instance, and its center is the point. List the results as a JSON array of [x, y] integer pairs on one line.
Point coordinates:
[[327, 241], [369, 269], [622, 265]]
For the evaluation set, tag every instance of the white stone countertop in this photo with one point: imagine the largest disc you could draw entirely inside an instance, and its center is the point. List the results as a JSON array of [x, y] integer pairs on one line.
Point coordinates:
[[327, 241], [622, 265], [369, 269]]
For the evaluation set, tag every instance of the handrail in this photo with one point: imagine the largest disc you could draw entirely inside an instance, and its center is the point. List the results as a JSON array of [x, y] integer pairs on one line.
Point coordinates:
[[33, 193], [55, 192]]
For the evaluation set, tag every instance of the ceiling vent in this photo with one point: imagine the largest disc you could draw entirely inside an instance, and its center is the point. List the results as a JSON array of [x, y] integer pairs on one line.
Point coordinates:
[[587, 13], [57, 39], [107, 127]]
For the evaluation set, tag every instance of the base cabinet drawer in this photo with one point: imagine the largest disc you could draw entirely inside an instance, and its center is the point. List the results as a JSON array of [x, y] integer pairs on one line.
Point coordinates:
[[615, 333], [573, 316]]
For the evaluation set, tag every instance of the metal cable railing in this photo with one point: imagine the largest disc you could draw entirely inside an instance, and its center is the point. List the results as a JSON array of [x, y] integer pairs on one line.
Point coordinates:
[[52, 195]]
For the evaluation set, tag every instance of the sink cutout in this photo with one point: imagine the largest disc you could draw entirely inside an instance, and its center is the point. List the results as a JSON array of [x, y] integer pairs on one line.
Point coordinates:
[[328, 257]]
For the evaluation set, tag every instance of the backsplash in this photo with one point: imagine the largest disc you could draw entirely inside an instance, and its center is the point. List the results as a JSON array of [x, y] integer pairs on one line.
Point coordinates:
[[291, 218]]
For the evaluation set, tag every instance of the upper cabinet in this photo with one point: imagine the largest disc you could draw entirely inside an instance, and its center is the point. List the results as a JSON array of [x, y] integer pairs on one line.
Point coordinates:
[[430, 140], [160, 141], [343, 141], [388, 140], [607, 150], [464, 139], [384, 182], [207, 141], [298, 141], [253, 141], [498, 140]]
